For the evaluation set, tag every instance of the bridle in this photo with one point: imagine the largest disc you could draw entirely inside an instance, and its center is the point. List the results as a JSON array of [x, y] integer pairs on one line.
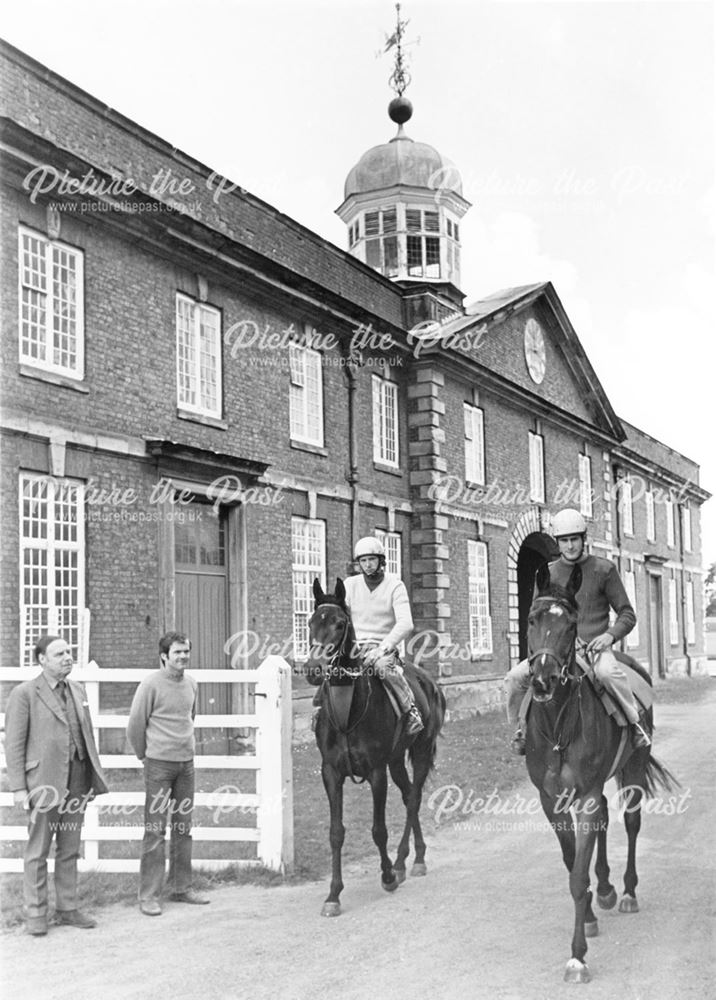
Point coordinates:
[[334, 668]]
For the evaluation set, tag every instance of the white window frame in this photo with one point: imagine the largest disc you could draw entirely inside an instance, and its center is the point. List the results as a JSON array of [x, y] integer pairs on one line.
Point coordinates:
[[393, 545], [626, 506], [474, 444], [585, 486], [190, 380], [480, 622], [673, 613], [306, 395], [686, 527], [650, 518], [670, 532], [46, 311], [308, 561], [52, 547], [537, 486], [690, 614], [632, 640], [385, 422]]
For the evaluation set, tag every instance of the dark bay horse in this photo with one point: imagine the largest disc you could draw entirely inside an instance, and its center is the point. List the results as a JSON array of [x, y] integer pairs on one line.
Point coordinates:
[[571, 745], [359, 737]]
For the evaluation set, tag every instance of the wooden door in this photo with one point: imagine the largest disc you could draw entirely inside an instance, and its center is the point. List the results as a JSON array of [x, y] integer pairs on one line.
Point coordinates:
[[201, 588]]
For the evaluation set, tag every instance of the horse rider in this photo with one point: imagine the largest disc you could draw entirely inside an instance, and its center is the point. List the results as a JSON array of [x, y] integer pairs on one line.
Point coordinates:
[[380, 611], [600, 591]]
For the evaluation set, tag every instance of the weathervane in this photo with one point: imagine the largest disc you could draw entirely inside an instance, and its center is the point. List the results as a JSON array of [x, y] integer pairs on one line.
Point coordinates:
[[400, 108]]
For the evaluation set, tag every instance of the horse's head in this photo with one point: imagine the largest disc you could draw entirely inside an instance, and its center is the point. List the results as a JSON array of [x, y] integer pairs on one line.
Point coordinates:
[[330, 632], [551, 633]]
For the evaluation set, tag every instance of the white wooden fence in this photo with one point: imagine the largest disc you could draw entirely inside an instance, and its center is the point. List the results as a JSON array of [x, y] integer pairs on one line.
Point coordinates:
[[272, 801]]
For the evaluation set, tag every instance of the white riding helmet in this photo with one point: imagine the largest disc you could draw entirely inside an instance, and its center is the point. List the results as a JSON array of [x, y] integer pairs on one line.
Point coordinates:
[[368, 546], [568, 522]]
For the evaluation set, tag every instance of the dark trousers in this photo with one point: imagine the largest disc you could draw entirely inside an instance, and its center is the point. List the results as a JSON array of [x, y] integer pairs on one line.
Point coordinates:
[[61, 818], [169, 798]]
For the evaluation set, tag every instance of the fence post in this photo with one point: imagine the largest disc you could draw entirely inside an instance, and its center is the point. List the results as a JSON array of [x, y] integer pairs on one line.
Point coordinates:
[[274, 778], [91, 822]]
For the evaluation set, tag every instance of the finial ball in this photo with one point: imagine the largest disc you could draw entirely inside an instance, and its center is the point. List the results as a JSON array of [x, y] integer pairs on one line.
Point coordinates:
[[400, 110]]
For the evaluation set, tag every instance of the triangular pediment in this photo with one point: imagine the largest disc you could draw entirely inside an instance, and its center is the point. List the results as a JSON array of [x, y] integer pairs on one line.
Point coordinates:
[[522, 338]]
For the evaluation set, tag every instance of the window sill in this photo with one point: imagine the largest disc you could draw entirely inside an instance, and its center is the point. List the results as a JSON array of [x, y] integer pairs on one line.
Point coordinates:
[[472, 484], [43, 375], [392, 470], [201, 418], [315, 449]]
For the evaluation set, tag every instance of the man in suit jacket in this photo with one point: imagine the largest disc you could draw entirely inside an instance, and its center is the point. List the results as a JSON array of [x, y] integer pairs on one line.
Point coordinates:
[[54, 770]]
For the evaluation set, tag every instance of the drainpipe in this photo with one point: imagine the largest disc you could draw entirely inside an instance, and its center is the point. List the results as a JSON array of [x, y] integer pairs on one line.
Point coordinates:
[[351, 375], [618, 527], [684, 625]]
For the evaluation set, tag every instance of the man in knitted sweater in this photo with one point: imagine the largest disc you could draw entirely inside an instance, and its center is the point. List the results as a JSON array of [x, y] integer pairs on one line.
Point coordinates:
[[380, 612], [601, 590], [161, 732]]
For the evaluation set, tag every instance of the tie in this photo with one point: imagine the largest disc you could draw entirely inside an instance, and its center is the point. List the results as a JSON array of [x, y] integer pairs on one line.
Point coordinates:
[[62, 689]]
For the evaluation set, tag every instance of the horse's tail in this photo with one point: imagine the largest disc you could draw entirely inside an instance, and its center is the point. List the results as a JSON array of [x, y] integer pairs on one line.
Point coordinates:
[[656, 776], [438, 706]]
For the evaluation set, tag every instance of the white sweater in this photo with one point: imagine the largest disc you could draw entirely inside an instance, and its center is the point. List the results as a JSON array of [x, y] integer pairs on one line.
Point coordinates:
[[381, 615]]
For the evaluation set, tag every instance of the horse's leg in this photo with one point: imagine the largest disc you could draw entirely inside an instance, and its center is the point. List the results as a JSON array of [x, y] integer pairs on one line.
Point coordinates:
[[422, 760], [333, 783], [587, 812], [379, 786], [632, 822], [562, 824], [606, 893], [399, 774]]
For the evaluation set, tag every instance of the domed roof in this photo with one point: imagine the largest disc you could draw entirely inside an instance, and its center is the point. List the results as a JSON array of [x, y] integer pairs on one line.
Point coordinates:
[[402, 161]]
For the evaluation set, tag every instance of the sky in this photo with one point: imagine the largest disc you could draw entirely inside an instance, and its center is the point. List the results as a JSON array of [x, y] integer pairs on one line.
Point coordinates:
[[583, 130]]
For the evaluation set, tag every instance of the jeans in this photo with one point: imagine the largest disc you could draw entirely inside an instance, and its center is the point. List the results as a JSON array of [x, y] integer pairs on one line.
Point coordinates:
[[607, 670], [169, 789]]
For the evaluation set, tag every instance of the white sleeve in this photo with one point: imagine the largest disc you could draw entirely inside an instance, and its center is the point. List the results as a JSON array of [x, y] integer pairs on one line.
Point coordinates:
[[403, 618]]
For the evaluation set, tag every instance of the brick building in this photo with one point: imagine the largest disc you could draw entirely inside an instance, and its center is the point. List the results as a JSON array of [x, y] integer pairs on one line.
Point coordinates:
[[205, 404]]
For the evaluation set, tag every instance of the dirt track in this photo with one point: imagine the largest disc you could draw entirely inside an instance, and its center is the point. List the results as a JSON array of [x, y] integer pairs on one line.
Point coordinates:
[[491, 920]]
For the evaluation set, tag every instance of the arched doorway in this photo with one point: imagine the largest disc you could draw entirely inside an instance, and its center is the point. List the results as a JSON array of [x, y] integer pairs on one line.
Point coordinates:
[[536, 549]]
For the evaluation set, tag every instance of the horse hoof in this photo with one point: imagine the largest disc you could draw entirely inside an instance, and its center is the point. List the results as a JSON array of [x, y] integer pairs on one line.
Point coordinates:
[[609, 901], [400, 875], [419, 868], [390, 886], [331, 910], [591, 929], [576, 972], [628, 904]]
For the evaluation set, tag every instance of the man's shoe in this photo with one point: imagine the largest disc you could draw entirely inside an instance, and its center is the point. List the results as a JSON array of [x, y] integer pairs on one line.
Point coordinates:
[[75, 918], [151, 907], [518, 743], [189, 897], [640, 739], [37, 926], [415, 723]]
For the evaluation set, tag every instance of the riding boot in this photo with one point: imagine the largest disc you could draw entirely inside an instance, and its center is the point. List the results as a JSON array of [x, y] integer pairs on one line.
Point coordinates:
[[517, 744], [404, 695]]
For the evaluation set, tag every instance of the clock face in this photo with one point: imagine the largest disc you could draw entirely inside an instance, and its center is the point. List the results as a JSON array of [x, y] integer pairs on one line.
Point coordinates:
[[535, 354]]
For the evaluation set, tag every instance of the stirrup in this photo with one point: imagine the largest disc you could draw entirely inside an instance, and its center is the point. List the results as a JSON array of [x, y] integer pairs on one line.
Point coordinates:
[[517, 743], [414, 722], [640, 739]]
